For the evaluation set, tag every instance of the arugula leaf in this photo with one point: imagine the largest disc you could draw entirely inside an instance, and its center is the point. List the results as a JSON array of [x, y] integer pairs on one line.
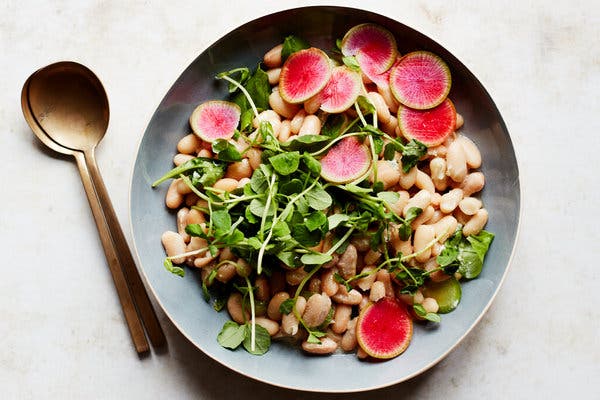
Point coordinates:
[[231, 335], [262, 340], [209, 169], [173, 269], [292, 44]]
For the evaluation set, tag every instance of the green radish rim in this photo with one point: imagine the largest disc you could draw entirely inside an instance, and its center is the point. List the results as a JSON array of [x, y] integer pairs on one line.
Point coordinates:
[[447, 293], [418, 74]]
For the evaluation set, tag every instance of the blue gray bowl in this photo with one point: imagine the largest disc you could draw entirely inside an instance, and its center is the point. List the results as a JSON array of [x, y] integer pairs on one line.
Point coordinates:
[[181, 299]]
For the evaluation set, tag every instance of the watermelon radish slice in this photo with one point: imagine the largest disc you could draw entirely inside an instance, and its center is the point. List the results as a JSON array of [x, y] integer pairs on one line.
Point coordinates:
[[346, 161], [304, 74], [373, 46], [420, 80], [341, 91], [384, 328], [382, 79], [215, 119], [430, 127]]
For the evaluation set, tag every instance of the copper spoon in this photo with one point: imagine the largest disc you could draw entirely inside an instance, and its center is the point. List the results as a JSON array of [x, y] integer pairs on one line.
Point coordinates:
[[67, 108]]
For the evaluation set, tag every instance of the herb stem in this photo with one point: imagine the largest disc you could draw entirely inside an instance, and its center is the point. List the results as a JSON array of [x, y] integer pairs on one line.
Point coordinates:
[[252, 316], [243, 89], [334, 141]]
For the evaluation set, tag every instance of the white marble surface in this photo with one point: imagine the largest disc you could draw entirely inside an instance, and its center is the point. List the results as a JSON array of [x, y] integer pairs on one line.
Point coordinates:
[[62, 333]]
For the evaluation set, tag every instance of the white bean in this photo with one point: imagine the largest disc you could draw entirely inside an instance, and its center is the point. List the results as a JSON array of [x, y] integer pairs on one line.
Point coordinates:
[[182, 223], [281, 106], [349, 341], [273, 306], [472, 153], [317, 309], [341, 317], [377, 291], [296, 122], [450, 200], [271, 326], [469, 205], [273, 76], [437, 166], [422, 237], [180, 158], [289, 322], [173, 198], [310, 126], [327, 346], [423, 181], [473, 183], [189, 144], [476, 223], [272, 58], [456, 162], [421, 200], [383, 112], [174, 245]]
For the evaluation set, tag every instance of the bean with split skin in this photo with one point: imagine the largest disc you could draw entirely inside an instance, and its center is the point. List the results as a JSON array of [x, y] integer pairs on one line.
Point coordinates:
[[469, 205], [182, 223], [472, 154]]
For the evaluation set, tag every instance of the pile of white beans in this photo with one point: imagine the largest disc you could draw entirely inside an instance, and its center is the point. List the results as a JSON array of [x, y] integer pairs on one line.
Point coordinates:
[[443, 187]]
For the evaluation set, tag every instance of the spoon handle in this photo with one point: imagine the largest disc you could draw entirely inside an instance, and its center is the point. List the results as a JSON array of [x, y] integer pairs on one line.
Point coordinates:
[[142, 301], [133, 322]]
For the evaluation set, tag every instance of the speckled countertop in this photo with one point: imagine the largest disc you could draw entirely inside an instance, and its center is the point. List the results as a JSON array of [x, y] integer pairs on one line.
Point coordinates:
[[62, 333]]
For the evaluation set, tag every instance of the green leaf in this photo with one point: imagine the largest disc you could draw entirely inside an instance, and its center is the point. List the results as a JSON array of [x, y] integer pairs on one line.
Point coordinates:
[[318, 198], [231, 335], [316, 220], [259, 89], [292, 44], [389, 151], [352, 63], [238, 74], [195, 230], [221, 221], [306, 237], [334, 125], [226, 151], [335, 219], [210, 171], [389, 197], [173, 269], [433, 317], [312, 164], [286, 163], [307, 143], [258, 182], [365, 104], [291, 187], [246, 120], [315, 259], [281, 230], [481, 243], [287, 257], [257, 207], [411, 153], [412, 214], [287, 305], [262, 341], [378, 144]]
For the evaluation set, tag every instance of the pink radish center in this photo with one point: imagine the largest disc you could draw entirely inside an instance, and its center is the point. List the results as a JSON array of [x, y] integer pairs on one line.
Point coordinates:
[[385, 327], [420, 79], [304, 74], [218, 120], [429, 126], [341, 91], [347, 160]]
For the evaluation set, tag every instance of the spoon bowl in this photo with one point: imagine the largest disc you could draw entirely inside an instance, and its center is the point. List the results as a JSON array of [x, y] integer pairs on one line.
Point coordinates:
[[70, 104]]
